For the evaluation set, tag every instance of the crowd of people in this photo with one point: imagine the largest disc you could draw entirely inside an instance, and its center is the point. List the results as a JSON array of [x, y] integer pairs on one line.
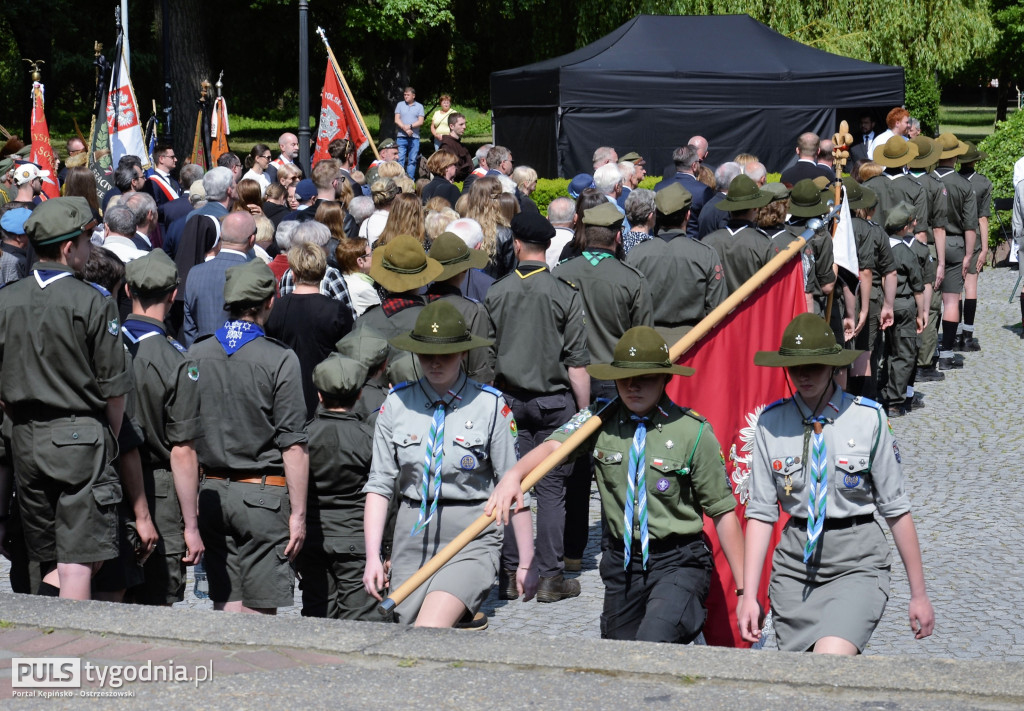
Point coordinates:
[[283, 375]]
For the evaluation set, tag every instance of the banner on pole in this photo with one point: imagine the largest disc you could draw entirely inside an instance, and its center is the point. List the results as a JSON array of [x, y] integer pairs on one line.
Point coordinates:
[[219, 129], [337, 116], [42, 151], [123, 120]]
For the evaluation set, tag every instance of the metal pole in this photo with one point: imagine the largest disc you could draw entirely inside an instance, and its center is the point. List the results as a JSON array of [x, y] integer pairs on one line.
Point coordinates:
[[304, 86], [168, 135]]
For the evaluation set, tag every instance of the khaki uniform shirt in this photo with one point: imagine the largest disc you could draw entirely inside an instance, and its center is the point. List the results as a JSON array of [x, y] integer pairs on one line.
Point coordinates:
[[935, 192], [962, 214], [743, 249], [894, 189], [340, 451]]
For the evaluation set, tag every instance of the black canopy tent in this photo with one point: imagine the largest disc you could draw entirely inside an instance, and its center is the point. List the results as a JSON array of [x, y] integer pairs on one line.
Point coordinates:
[[657, 80]]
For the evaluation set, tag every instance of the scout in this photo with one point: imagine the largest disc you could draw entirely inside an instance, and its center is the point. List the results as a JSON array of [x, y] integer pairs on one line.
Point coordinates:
[[659, 470], [741, 244]]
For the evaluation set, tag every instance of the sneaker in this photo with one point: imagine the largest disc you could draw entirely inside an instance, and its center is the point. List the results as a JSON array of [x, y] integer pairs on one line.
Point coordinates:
[[507, 589], [557, 588], [573, 565], [472, 623], [929, 375]]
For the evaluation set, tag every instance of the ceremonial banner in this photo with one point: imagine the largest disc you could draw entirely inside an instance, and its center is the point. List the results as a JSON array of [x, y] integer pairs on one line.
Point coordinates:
[[844, 246], [219, 129], [337, 116], [42, 152], [123, 121], [730, 391]]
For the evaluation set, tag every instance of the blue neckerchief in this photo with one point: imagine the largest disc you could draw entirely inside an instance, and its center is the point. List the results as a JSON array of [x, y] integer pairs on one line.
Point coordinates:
[[235, 334], [137, 330], [45, 277]]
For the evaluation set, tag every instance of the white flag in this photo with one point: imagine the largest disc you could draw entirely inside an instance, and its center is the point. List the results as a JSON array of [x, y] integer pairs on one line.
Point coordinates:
[[123, 119], [844, 246]]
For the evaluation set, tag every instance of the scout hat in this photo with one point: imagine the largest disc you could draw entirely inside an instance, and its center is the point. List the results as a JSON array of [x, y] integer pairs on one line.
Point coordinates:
[[632, 157], [338, 376], [366, 346], [972, 155], [249, 283], [899, 217], [386, 143], [743, 195], [14, 220], [859, 196], [778, 191], [402, 265], [805, 200], [672, 199], [927, 152], [640, 351], [27, 172], [950, 145], [532, 227], [580, 183], [58, 220], [603, 215], [895, 153], [821, 182], [5, 166], [807, 340], [439, 329], [155, 273], [455, 255]]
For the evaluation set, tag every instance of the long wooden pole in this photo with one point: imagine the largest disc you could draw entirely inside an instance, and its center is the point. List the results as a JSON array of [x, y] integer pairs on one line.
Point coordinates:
[[595, 421], [348, 92]]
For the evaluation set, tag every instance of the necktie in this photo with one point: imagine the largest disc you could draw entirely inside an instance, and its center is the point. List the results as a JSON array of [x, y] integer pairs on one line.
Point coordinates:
[[636, 493], [818, 492], [431, 464]]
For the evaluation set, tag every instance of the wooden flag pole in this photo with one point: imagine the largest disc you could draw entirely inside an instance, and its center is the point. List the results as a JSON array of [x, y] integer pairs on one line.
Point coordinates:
[[592, 424], [348, 92]]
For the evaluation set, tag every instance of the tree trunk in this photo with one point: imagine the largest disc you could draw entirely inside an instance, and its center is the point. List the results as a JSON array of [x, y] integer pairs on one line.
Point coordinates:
[[189, 66], [1003, 95], [391, 77]]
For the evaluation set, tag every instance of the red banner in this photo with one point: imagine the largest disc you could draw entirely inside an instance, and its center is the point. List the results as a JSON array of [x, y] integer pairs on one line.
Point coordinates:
[[219, 129], [337, 117], [42, 152], [730, 391]]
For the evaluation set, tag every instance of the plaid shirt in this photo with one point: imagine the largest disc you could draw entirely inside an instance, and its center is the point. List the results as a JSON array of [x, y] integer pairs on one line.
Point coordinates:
[[332, 285]]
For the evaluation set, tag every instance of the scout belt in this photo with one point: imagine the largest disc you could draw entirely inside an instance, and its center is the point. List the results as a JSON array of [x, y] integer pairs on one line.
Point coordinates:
[[242, 477]]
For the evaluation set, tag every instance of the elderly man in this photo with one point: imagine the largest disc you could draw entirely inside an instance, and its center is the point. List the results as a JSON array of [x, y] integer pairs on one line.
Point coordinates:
[[608, 180], [289, 145], [204, 288], [147, 228], [408, 119], [603, 155], [710, 218], [119, 228], [562, 216], [687, 161], [701, 144]]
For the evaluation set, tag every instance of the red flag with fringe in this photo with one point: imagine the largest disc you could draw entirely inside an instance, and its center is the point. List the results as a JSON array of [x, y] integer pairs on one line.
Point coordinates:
[[730, 391], [337, 116], [42, 151]]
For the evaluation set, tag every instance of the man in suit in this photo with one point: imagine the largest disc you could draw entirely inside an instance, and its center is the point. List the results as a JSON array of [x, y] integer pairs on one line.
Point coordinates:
[[204, 288], [806, 166], [687, 160]]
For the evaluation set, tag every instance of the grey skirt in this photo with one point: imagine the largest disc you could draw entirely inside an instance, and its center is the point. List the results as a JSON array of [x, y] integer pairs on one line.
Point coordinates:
[[468, 576], [843, 596]]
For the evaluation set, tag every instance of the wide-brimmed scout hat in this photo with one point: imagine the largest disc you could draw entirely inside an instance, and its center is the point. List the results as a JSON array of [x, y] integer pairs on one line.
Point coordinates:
[[778, 191], [439, 329], [805, 200], [58, 220], [743, 195], [807, 340], [950, 145], [640, 351], [895, 153], [927, 152], [859, 196], [249, 283], [455, 255], [402, 265], [972, 155]]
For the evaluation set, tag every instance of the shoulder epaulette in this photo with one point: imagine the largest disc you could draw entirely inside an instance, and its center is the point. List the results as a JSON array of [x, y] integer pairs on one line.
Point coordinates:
[[694, 414], [276, 342], [202, 338], [490, 389], [566, 281], [401, 386], [780, 401], [97, 287], [867, 402], [180, 348]]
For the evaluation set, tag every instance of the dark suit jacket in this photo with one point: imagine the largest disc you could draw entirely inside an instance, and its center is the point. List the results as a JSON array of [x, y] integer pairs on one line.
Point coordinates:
[[803, 170], [204, 295], [700, 193]]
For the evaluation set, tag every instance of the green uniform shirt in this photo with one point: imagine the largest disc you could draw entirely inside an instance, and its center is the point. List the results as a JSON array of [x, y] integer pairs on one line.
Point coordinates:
[[401, 364], [962, 214], [538, 329], [909, 280], [983, 189], [251, 405], [685, 473], [60, 344], [935, 193], [340, 450], [926, 260], [167, 389], [685, 277], [743, 249], [615, 298], [873, 251], [894, 189]]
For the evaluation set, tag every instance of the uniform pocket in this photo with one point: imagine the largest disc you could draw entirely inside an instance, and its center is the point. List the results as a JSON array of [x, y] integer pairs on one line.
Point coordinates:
[[108, 493], [853, 477], [788, 472], [262, 500], [664, 475]]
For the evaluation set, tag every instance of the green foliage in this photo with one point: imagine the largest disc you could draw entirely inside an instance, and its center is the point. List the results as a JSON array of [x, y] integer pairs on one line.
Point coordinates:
[[547, 190], [922, 99], [398, 19], [1004, 148]]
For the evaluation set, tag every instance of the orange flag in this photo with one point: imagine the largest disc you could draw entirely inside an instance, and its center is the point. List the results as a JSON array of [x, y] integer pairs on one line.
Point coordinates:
[[337, 116], [219, 130], [42, 152]]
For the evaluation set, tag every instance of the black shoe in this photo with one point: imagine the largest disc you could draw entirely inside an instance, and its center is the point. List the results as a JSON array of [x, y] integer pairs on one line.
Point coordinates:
[[557, 588], [929, 375], [472, 623], [918, 400], [958, 345], [898, 411], [507, 589], [971, 344], [947, 364]]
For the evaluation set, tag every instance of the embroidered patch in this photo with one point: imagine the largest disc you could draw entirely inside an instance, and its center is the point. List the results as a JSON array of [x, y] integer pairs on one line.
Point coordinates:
[[851, 481], [662, 485], [193, 373], [896, 452], [113, 327], [505, 410], [467, 462], [513, 428], [657, 462]]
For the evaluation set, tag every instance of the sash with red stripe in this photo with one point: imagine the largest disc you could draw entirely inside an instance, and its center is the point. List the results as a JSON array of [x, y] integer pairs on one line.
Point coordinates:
[[165, 187]]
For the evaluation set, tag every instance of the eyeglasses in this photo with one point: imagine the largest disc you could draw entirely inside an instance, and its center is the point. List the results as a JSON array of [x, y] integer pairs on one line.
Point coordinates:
[[266, 157], [75, 153], [171, 156]]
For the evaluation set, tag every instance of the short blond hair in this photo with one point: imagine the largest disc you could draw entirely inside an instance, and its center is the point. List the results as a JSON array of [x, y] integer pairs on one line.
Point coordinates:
[[308, 263]]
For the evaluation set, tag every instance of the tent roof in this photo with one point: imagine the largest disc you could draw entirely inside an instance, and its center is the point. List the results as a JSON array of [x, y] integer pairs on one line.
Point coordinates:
[[688, 60]]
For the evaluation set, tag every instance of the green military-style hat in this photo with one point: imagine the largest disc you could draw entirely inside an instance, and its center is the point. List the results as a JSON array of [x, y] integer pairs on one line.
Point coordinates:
[[822, 183], [860, 197], [895, 153], [386, 143], [401, 265], [249, 283], [899, 217], [156, 273], [6, 165], [807, 340], [805, 200], [366, 346], [455, 255], [950, 145], [973, 155], [603, 215], [632, 157], [640, 351], [58, 220], [439, 329], [778, 191], [672, 199], [743, 195], [338, 376], [927, 153]]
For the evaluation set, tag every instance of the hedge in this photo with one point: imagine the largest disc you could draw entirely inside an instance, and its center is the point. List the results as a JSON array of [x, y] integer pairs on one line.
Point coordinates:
[[1004, 147]]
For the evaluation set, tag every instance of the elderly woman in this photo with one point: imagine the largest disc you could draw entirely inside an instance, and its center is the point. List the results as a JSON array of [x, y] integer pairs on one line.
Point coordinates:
[[525, 179], [383, 192], [333, 283], [641, 213], [441, 165]]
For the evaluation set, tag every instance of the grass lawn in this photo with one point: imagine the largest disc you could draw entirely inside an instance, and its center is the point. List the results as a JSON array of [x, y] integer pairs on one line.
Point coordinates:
[[969, 123]]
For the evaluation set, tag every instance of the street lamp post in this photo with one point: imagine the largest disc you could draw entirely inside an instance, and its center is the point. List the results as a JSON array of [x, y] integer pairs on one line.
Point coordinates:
[[304, 86]]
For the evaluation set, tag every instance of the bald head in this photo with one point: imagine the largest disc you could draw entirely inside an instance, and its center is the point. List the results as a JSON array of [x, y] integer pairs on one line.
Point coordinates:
[[701, 144], [239, 230], [807, 146], [289, 145]]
